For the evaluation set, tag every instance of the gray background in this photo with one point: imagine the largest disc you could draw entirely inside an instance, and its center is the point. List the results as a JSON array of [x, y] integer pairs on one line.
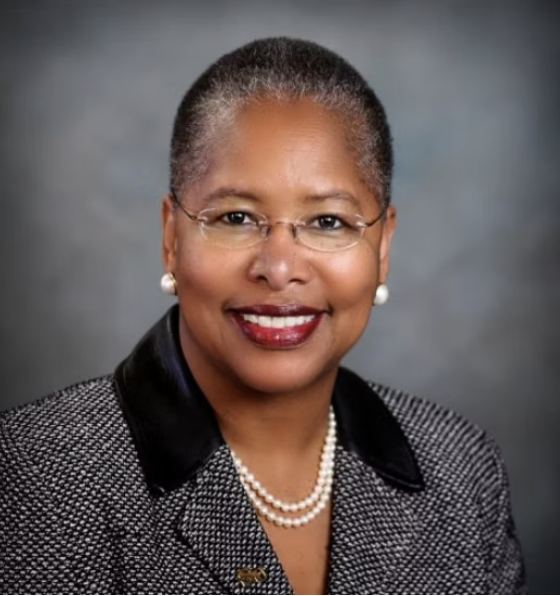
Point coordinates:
[[88, 94]]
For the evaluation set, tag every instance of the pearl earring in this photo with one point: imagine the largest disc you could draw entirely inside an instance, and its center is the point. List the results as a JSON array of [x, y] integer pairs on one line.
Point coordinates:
[[168, 284], [381, 295]]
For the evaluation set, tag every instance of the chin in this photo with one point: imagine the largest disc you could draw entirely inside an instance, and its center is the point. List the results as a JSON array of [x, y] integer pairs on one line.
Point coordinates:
[[282, 373]]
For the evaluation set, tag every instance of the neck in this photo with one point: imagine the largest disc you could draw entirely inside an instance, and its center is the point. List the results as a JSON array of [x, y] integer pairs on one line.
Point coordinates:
[[281, 423]]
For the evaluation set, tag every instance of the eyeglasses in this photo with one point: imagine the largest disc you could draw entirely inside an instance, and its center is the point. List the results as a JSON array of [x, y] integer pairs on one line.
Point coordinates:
[[326, 231]]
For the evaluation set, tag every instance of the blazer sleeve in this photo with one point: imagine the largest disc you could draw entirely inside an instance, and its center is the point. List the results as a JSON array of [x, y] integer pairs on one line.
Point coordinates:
[[506, 571]]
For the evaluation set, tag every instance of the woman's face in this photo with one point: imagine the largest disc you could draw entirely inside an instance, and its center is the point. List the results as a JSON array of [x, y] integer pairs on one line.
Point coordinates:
[[277, 316]]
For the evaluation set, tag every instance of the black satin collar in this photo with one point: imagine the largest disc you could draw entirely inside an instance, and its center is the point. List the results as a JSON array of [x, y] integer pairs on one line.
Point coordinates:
[[176, 432]]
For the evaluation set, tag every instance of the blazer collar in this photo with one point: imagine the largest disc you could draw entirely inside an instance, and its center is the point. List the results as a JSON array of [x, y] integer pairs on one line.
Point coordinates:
[[175, 430]]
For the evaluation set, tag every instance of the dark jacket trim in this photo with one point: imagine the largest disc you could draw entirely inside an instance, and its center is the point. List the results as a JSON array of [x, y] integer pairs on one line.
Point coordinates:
[[176, 432]]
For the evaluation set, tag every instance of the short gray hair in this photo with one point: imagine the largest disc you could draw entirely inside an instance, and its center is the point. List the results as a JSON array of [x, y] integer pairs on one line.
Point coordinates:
[[282, 69]]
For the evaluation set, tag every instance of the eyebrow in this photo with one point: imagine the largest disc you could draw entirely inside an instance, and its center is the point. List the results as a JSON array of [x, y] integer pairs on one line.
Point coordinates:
[[230, 191], [340, 195]]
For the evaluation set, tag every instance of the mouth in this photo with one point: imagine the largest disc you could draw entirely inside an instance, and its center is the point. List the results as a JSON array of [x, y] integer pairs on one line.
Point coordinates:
[[277, 327], [277, 322]]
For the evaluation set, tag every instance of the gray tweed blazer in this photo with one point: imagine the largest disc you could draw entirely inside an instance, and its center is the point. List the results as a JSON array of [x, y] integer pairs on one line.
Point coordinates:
[[124, 485]]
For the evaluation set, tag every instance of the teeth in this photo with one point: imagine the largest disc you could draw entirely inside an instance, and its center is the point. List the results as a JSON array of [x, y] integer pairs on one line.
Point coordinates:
[[277, 322]]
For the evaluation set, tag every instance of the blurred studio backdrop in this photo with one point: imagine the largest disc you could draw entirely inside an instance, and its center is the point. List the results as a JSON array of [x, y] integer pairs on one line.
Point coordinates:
[[88, 94]]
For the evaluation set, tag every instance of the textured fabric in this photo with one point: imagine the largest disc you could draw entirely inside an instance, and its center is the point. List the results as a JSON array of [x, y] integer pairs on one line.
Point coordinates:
[[76, 515], [97, 499]]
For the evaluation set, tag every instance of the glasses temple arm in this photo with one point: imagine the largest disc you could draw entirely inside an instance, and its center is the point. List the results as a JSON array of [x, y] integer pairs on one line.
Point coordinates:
[[368, 224]]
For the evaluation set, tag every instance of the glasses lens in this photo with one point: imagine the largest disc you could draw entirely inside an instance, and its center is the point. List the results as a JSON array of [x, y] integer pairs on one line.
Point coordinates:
[[330, 232], [230, 228], [329, 241]]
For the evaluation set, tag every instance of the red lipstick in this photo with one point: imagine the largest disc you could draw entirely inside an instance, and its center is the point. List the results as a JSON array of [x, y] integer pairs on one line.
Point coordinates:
[[277, 327]]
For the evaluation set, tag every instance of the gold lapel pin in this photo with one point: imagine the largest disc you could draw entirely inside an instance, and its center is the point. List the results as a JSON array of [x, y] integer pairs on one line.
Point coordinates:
[[248, 576]]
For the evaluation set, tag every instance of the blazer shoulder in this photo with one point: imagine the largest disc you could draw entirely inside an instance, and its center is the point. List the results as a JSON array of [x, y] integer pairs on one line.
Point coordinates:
[[69, 399], [45, 429], [415, 411]]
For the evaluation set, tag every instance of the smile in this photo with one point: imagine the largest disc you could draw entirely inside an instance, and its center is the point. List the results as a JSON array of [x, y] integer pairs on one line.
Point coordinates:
[[277, 327], [277, 322]]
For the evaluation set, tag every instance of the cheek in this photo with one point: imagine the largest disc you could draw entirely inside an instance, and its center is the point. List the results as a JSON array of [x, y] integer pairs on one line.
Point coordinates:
[[353, 276], [353, 282], [205, 273]]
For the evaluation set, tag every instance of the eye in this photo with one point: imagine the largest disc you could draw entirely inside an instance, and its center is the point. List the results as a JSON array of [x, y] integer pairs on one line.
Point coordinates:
[[237, 218], [328, 222]]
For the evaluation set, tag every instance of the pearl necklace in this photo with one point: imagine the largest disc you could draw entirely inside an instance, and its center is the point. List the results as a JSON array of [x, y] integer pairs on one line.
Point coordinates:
[[314, 503]]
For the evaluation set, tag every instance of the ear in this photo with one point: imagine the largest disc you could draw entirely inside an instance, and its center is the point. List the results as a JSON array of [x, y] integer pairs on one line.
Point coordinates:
[[169, 234], [389, 227]]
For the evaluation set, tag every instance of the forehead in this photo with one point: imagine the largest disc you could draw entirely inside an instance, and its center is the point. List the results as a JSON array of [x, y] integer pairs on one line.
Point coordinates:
[[285, 149]]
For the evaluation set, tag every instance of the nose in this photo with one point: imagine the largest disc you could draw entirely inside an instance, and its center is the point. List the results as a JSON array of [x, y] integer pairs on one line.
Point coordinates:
[[279, 260]]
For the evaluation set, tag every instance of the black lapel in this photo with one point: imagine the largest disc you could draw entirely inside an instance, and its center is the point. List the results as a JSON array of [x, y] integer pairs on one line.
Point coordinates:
[[367, 428], [172, 423]]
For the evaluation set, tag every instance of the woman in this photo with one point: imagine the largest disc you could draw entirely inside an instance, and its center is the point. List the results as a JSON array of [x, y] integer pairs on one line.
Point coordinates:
[[230, 453]]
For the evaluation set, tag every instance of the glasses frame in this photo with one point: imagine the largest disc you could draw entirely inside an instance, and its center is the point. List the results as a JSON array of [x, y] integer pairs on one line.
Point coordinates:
[[266, 226]]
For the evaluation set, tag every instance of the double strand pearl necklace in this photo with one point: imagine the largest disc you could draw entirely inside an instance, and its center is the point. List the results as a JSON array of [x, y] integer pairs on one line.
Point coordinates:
[[313, 504]]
